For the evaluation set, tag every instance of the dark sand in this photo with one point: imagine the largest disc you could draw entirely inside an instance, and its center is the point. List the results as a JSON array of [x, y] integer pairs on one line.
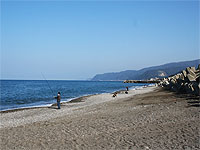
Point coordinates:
[[157, 120]]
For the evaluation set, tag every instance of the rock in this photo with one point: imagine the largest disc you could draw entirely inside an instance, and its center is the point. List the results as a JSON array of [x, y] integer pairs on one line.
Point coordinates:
[[197, 74], [196, 87], [193, 69], [181, 77], [174, 89], [191, 78], [198, 68], [177, 76], [198, 79], [184, 73], [179, 87], [189, 88], [190, 71], [188, 81]]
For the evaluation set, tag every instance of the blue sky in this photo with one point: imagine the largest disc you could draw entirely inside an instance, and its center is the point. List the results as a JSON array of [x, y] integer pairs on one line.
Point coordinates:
[[76, 40]]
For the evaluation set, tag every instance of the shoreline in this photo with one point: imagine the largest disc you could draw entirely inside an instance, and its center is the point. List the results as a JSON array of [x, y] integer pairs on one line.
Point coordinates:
[[24, 116], [71, 100], [148, 118]]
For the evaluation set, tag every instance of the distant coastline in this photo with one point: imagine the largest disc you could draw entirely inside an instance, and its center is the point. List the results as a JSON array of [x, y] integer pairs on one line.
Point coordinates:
[[147, 73]]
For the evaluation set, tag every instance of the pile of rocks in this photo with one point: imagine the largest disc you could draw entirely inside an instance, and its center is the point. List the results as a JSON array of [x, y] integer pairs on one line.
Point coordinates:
[[185, 82]]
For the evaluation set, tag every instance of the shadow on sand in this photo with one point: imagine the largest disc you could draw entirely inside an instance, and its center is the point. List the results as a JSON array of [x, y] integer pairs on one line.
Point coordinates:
[[192, 100], [53, 107]]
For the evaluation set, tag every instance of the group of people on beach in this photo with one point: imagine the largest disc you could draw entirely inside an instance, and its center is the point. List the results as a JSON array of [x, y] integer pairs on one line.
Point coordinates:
[[115, 94]]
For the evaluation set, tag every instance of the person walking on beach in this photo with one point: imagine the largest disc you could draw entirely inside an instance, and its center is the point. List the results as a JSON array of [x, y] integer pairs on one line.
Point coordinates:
[[58, 100]]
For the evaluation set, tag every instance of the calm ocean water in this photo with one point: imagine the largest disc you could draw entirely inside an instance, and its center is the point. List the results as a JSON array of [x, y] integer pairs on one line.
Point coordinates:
[[28, 93]]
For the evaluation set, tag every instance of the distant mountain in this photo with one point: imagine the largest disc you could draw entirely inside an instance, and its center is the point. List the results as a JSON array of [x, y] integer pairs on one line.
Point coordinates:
[[147, 73]]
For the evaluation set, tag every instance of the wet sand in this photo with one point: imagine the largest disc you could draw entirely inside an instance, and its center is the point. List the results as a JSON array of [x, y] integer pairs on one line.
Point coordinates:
[[150, 118]]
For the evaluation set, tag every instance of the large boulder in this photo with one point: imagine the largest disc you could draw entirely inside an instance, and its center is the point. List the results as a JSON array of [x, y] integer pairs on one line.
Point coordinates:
[[173, 81], [184, 73], [198, 79], [191, 78], [193, 69], [198, 68], [189, 88], [196, 87], [190, 71], [181, 77]]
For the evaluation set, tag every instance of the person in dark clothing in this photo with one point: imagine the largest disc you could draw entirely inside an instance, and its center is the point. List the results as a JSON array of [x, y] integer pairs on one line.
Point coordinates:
[[127, 88], [58, 97]]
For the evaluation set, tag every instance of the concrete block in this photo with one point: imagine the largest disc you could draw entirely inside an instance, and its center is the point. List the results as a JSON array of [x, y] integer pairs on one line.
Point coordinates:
[[184, 73], [191, 78]]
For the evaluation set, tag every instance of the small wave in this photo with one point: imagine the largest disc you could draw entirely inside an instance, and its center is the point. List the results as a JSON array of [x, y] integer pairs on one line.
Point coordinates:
[[33, 94]]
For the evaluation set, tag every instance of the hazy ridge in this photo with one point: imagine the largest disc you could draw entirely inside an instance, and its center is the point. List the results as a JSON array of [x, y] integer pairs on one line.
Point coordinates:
[[147, 73]]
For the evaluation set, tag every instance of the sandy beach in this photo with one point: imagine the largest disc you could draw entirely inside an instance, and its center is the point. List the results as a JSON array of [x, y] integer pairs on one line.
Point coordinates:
[[148, 118]]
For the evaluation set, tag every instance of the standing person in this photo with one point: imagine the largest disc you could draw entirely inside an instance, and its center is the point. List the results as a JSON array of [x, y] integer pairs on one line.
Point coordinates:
[[127, 88], [58, 100]]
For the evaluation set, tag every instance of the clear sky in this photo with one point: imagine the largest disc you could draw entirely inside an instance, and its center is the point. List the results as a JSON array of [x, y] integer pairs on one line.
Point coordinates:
[[76, 40]]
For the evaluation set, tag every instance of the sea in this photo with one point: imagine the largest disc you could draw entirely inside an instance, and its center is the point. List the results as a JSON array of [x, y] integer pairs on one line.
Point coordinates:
[[38, 93]]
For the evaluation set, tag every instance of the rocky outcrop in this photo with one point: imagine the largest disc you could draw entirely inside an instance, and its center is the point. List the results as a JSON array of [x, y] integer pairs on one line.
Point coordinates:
[[187, 81]]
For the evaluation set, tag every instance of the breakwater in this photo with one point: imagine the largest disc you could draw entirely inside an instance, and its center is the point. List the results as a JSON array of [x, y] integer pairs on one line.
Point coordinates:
[[142, 81], [187, 81]]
